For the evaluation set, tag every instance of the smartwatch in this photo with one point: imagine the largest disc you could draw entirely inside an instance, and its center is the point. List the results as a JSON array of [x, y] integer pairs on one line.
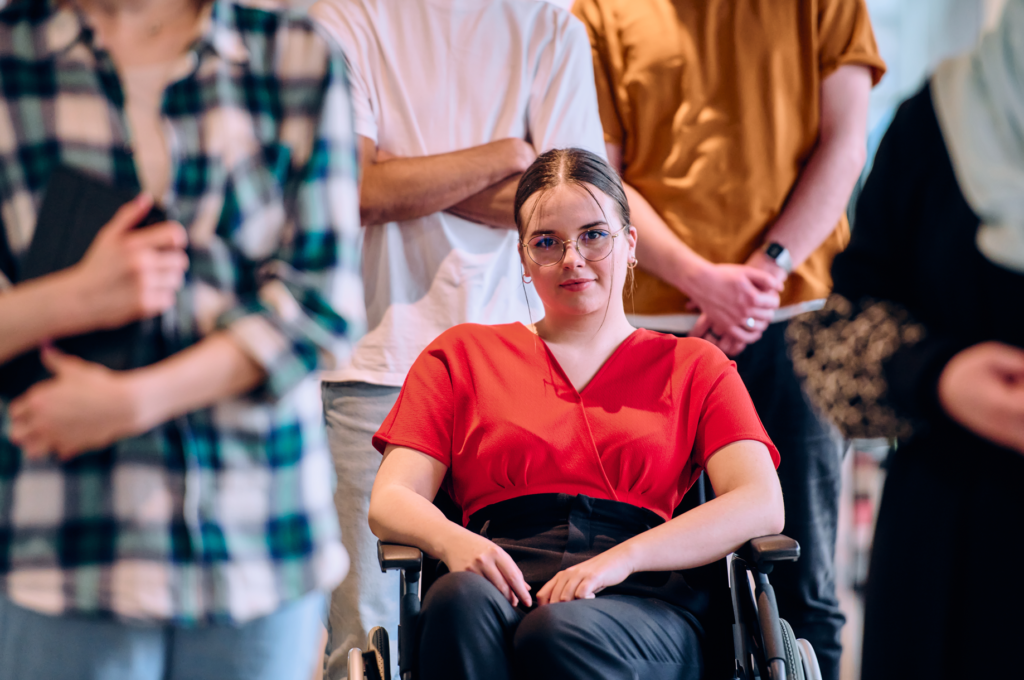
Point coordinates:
[[778, 253]]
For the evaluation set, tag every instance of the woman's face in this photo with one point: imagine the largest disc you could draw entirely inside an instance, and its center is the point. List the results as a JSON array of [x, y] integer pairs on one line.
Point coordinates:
[[574, 285]]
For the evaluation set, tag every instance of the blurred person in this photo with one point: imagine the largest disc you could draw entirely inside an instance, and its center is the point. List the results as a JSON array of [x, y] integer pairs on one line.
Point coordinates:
[[567, 445], [453, 100], [739, 129], [923, 340], [174, 520]]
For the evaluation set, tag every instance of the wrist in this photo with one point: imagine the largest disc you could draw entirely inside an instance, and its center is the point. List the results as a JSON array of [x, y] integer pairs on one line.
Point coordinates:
[[694, 275], [74, 305], [143, 409], [519, 155]]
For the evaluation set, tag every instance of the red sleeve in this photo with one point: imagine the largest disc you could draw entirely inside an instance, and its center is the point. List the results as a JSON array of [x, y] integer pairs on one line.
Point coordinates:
[[727, 415], [423, 416]]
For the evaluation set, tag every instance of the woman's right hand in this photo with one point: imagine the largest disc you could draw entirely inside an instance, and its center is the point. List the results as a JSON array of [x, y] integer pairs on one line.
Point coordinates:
[[982, 388], [130, 274], [470, 552]]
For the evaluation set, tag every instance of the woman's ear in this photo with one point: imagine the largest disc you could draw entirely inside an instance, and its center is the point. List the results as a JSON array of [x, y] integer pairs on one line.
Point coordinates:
[[631, 240], [522, 258]]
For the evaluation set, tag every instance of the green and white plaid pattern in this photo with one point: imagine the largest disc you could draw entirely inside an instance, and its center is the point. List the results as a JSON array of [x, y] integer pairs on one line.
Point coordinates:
[[225, 514]]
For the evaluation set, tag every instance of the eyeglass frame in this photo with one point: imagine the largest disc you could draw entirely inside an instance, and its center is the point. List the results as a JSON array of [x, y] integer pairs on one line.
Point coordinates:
[[575, 244]]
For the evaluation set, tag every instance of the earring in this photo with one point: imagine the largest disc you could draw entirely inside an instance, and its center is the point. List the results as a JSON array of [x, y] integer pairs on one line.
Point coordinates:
[[632, 262], [527, 279]]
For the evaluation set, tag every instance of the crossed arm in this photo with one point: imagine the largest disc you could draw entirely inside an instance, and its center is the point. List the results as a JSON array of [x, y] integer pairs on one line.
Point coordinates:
[[478, 183], [748, 504], [126, 275]]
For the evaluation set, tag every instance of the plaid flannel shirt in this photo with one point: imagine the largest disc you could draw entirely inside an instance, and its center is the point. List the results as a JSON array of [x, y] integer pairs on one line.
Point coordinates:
[[224, 514]]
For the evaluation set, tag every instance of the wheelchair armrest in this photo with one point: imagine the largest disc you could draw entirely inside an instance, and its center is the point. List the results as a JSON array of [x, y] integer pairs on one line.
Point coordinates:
[[760, 553], [396, 556]]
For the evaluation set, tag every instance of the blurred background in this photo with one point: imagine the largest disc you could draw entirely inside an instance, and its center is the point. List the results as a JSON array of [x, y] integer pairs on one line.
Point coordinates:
[[913, 37]]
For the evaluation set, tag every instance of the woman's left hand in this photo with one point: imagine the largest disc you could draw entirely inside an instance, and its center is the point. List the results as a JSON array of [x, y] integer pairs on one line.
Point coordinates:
[[586, 579], [84, 406]]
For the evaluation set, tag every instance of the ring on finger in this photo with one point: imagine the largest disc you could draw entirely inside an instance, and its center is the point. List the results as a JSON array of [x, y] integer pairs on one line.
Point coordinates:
[[750, 323]]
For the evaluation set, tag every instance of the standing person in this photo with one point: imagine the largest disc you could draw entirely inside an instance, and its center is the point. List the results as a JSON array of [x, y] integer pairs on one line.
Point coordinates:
[[945, 370], [174, 520], [453, 99], [740, 130]]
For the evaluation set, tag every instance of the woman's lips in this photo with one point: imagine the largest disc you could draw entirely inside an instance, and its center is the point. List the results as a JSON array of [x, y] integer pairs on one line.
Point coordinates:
[[576, 284]]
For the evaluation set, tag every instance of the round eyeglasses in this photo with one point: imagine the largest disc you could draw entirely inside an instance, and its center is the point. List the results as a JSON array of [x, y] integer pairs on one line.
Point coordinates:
[[593, 245]]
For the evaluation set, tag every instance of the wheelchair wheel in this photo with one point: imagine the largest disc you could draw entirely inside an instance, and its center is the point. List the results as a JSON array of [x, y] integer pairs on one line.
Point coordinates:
[[810, 660], [794, 660]]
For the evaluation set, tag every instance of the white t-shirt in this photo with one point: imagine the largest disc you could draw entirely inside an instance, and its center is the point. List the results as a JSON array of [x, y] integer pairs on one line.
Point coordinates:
[[435, 76]]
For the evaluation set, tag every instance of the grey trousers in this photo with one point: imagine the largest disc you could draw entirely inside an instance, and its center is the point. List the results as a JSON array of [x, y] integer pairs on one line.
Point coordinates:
[[366, 598]]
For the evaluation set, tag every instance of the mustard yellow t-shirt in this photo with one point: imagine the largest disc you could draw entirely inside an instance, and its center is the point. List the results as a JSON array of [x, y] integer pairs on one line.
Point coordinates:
[[716, 104]]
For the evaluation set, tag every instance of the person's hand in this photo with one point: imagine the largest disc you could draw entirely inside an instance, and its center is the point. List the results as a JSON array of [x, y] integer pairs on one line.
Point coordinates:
[[130, 274], [586, 579], [727, 295], [982, 388], [470, 552], [83, 407], [520, 153]]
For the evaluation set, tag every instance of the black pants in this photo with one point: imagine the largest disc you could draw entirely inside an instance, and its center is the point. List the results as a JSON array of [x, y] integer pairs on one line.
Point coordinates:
[[468, 631], [810, 474]]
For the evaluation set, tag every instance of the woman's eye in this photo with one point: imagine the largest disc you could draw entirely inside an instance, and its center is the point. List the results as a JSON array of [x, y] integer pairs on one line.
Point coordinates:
[[544, 243], [594, 235]]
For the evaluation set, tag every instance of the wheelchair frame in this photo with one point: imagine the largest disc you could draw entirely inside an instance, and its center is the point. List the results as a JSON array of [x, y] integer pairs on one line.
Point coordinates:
[[764, 644]]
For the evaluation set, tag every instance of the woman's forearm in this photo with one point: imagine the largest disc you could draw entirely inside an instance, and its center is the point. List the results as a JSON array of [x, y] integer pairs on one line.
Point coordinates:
[[708, 532], [401, 515]]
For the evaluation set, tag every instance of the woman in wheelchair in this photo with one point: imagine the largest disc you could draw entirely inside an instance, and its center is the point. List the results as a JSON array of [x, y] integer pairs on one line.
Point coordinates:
[[567, 446]]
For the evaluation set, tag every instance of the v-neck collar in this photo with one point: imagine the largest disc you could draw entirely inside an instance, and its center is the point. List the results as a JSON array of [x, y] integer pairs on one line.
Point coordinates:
[[601, 369]]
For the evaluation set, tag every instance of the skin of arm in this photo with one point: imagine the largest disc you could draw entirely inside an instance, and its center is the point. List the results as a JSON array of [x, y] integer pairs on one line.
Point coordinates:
[[402, 511], [726, 293], [494, 206], [125, 275], [397, 188], [823, 189], [748, 504], [86, 406]]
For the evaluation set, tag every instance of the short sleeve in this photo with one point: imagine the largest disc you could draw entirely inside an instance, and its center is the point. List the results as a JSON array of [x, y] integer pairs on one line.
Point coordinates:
[[728, 414], [423, 417], [589, 13], [337, 26], [846, 37]]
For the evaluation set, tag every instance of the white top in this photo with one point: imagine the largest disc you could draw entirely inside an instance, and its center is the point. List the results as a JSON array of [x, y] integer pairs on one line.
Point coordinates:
[[435, 76]]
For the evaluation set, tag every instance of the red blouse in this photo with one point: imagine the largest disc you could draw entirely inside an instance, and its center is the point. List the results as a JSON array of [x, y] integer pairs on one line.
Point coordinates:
[[492, 404]]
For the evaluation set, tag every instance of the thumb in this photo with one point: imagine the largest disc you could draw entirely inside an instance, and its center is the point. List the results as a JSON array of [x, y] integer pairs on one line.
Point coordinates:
[[57, 362], [763, 280], [129, 214]]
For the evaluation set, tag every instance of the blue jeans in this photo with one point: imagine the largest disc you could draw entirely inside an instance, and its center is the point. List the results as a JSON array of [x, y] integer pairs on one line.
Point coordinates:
[[280, 646]]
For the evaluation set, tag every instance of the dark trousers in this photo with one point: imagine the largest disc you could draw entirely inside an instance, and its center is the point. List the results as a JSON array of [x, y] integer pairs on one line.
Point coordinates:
[[468, 631], [810, 474]]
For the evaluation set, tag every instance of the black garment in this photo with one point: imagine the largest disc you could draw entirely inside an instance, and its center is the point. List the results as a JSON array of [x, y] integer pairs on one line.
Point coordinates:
[[952, 516], [810, 474], [468, 630]]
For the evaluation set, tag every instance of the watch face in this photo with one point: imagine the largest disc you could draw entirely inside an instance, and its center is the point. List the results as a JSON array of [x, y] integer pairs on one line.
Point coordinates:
[[773, 250]]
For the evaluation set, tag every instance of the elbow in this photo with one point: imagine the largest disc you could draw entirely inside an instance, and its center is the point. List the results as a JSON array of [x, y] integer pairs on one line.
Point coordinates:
[[370, 214]]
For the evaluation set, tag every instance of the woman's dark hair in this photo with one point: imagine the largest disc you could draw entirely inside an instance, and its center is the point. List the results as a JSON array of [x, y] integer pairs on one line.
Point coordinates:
[[570, 166]]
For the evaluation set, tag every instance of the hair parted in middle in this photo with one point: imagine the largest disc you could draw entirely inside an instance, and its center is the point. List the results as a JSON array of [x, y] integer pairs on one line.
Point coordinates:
[[569, 166]]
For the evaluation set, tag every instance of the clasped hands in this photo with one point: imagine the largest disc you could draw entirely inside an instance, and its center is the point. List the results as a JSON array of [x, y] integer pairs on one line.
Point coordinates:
[[736, 302], [471, 552], [126, 275]]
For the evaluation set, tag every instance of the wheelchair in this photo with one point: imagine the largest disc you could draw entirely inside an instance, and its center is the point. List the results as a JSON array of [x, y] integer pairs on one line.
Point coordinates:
[[762, 645]]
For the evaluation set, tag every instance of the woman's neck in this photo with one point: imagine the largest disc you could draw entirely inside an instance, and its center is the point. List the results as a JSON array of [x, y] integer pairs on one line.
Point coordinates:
[[144, 32], [596, 329]]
